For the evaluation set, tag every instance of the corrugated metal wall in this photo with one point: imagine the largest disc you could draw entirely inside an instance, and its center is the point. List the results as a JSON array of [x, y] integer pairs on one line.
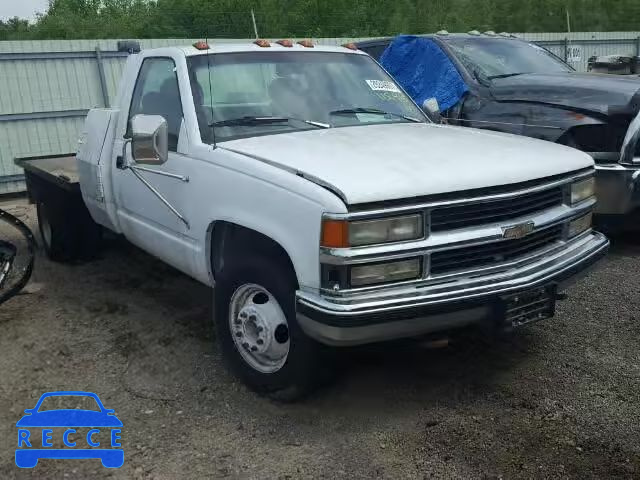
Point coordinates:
[[46, 87], [588, 44]]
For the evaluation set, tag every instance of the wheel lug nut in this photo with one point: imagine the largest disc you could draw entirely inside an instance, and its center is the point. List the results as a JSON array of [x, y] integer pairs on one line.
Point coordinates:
[[260, 341], [245, 345], [238, 334], [260, 329], [252, 318], [243, 314], [254, 348]]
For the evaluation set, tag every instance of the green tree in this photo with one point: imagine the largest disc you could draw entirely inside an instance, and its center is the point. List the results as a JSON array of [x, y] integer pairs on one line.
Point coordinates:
[[14, 29], [68, 19]]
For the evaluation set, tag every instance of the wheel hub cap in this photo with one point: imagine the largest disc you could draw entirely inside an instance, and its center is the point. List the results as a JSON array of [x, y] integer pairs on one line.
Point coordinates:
[[259, 328]]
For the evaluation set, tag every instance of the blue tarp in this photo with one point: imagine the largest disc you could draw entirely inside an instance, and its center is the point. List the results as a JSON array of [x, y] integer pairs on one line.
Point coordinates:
[[424, 70]]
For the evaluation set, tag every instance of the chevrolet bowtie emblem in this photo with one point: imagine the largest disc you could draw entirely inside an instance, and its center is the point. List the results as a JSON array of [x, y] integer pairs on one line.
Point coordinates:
[[517, 231]]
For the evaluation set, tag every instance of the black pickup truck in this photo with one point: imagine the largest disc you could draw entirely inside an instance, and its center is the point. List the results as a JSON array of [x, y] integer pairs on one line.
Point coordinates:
[[518, 87]]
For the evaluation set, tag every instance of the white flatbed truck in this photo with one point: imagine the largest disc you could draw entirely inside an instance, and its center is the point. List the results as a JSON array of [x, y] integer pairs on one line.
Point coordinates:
[[319, 202]]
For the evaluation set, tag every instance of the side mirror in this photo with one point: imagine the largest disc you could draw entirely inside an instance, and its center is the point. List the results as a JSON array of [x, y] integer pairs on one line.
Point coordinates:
[[432, 109], [149, 139]]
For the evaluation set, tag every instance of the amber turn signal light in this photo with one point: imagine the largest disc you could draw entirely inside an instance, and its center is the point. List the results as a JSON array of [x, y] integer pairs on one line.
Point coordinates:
[[262, 43], [306, 43], [285, 43], [335, 234]]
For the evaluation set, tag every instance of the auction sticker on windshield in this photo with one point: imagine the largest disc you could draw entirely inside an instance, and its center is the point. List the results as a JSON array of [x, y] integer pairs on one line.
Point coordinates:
[[80, 428], [383, 86]]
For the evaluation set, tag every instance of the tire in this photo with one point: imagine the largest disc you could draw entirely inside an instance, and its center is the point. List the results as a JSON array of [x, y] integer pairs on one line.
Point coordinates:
[[59, 237], [307, 364], [90, 234], [68, 234]]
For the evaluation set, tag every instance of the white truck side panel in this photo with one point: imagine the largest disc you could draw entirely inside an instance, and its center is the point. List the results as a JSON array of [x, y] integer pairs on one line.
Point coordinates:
[[240, 190], [94, 169], [222, 186]]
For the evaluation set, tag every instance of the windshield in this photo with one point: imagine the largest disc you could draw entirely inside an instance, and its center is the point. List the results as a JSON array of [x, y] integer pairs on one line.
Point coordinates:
[[239, 95], [500, 58]]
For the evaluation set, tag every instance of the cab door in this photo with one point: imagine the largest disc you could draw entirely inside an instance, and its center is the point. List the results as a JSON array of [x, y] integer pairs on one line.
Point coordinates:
[[149, 199]]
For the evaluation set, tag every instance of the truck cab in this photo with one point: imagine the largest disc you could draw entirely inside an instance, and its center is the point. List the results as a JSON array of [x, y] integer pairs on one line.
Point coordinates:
[[319, 201]]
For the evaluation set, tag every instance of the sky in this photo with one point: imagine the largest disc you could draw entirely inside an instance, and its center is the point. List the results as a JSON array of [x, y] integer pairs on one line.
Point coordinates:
[[21, 8]]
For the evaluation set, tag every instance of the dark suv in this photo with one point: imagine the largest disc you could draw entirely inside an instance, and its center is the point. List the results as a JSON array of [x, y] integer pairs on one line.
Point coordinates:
[[518, 87]]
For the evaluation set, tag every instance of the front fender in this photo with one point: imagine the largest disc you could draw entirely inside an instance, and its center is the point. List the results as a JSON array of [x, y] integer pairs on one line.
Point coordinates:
[[275, 203], [535, 120], [305, 272]]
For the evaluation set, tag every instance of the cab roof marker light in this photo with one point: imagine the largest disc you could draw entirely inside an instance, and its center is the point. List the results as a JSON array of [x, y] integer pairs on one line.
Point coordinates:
[[262, 43], [285, 43], [442, 32], [201, 45], [490, 33], [350, 46], [306, 43], [474, 33]]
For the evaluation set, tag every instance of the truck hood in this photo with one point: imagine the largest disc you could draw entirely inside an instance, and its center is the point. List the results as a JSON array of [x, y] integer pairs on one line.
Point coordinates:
[[581, 91], [396, 161]]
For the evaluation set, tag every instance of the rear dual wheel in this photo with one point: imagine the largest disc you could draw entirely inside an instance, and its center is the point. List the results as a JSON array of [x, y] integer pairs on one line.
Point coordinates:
[[67, 234]]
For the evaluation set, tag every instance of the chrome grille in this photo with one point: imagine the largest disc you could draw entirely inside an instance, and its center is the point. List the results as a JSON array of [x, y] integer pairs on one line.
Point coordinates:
[[463, 216], [476, 256]]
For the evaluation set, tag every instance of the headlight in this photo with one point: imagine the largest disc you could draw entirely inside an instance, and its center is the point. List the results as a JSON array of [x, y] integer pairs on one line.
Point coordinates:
[[579, 225], [583, 190], [340, 233], [397, 271]]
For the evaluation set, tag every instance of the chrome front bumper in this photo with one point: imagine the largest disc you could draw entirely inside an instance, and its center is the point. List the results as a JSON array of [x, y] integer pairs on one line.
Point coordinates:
[[407, 311], [617, 189]]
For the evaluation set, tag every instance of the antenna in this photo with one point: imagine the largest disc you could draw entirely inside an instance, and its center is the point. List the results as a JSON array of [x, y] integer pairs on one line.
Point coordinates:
[[213, 128], [255, 27], [568, 54]]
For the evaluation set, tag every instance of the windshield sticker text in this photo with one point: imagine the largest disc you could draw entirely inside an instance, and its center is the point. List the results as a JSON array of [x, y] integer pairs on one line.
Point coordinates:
[[383, 86]]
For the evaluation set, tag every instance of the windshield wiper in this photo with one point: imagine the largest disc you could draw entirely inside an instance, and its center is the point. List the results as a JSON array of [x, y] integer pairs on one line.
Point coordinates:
[[482, 78], [506, 75], [249, 121], [374, 111]]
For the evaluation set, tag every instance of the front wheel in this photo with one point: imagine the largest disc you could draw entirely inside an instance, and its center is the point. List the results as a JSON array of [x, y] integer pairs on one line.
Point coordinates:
[[259, 334]]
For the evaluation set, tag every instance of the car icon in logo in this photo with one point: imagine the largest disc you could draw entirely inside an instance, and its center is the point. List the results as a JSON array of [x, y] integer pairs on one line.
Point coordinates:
[[39, 427]]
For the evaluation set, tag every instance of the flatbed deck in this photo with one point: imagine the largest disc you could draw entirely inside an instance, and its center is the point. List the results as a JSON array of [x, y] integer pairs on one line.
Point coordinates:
[[60, 169]]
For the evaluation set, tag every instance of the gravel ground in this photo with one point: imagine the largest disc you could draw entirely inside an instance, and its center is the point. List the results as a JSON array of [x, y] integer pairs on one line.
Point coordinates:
[[559, 399]]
